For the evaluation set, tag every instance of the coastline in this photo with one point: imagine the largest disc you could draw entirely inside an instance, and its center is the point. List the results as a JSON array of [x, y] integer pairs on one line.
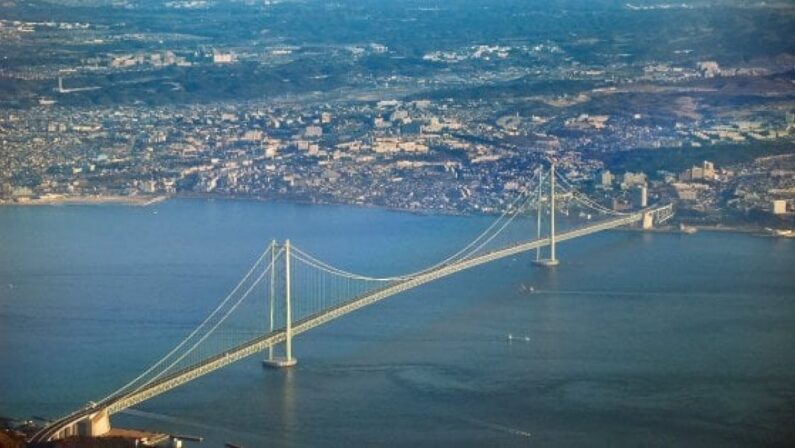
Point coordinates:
[[148, 200], [752, 231], [282, 200], [57, 200]]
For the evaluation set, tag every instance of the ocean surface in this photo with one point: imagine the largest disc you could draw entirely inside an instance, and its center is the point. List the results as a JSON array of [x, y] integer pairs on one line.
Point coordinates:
[[634, 340]]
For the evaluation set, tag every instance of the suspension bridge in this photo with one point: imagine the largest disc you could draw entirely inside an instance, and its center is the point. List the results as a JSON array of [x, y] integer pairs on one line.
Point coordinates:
[[288, 291]]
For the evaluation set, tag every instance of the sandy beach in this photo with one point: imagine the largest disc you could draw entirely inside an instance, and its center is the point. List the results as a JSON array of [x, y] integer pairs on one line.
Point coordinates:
[[140, 201]]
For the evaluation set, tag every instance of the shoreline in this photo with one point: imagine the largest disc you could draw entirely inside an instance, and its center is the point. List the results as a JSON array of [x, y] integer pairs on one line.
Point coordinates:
[[751, 231], [59, 200], [304, 202], [146, 201]]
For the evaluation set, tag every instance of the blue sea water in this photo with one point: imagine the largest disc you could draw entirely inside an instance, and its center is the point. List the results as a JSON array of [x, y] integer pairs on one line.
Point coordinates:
[[635, 340]]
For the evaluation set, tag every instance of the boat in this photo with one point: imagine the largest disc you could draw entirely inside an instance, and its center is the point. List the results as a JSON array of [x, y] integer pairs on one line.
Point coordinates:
[[687, 230], [511, 337]]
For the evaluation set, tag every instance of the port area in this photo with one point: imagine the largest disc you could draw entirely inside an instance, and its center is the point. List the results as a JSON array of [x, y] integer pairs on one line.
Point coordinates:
[[279, 363]]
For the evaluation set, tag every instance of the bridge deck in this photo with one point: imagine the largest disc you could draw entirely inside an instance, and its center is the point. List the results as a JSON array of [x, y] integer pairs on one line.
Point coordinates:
[[310, 322], [119, 403]]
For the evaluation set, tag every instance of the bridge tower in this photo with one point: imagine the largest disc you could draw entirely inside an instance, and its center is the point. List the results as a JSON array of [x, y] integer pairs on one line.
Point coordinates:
[[288, 360], [272, 296], [538, 215], [552, 260]]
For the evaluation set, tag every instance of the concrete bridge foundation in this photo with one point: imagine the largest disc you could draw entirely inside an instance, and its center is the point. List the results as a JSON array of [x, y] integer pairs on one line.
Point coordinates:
[[95, 424]]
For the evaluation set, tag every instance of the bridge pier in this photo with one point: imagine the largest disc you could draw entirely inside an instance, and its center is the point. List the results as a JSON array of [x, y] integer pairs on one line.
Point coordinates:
[[92, 425], [95, 424], [279, 363], [66, 432], [648, 221]]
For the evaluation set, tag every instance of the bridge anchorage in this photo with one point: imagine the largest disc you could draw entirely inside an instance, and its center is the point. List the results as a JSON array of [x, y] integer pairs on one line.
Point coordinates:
[[288, 291]]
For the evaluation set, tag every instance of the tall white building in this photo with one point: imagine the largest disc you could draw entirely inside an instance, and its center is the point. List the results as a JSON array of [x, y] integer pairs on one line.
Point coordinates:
[[606, 178]]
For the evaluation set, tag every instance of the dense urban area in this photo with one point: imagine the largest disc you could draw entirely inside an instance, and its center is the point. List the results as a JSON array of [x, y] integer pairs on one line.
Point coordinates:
[[99, 110]]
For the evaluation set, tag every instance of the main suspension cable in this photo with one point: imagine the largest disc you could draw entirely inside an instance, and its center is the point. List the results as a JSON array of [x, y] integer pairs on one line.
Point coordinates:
[[511, 212], [198, 328], [217, 324]]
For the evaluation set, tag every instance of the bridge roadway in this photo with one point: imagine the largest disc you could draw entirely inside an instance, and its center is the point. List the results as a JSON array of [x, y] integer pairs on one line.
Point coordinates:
[[118, 403]]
